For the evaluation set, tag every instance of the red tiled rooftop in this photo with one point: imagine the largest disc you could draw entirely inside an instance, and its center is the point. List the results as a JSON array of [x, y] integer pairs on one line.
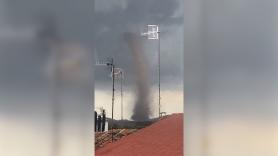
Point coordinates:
[[163, 138]]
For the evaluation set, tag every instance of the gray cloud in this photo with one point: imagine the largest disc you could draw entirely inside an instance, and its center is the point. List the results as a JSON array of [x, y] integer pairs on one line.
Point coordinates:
[[23, 60], [133, 16]]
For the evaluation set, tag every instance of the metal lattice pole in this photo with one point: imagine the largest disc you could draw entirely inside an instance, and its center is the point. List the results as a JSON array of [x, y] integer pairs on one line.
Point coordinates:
[[111, 63], [159, 97], [121, 95], [113, 90]]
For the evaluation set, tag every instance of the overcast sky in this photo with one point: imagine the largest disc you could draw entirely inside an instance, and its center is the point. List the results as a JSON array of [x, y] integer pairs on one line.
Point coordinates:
[[230, 63], [113, 19]]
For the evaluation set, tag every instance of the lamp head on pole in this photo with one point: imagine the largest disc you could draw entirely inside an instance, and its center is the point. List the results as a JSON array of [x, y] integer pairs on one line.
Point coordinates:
[[118, 73]]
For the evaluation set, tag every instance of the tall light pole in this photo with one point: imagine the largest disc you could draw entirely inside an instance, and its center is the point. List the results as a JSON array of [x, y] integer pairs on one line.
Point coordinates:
[[120, 71], [153, 34], [159, 97], [113, 90], [111, 64], [121, 95]]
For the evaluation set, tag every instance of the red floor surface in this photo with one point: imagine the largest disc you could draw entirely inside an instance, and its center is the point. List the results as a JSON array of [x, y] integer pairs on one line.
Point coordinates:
[[163, 138]]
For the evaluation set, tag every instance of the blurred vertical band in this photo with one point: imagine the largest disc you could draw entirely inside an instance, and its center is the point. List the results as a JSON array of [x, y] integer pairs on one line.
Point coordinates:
[[230, 78], [46, 78]]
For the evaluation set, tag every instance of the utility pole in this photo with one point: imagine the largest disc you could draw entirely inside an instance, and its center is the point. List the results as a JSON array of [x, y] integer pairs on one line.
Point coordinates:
[[113, 97], [120, 71], [114, 72], [122, 96], [113, 90], [159, 97]]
